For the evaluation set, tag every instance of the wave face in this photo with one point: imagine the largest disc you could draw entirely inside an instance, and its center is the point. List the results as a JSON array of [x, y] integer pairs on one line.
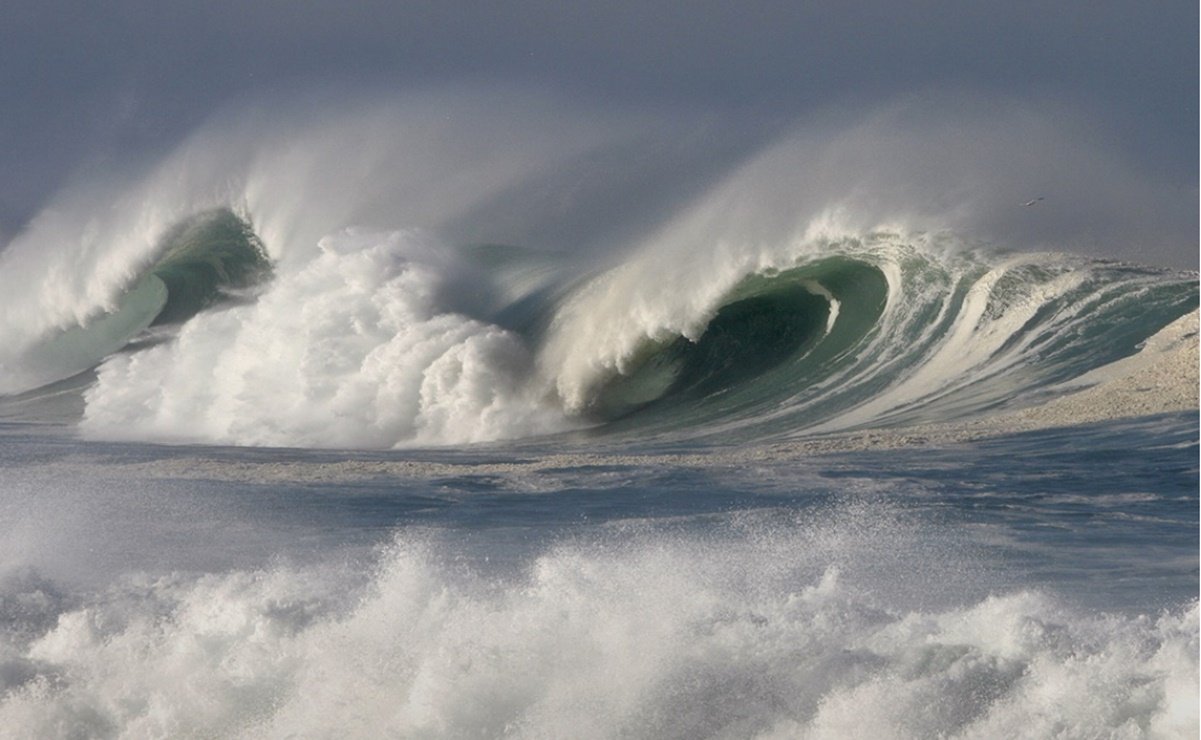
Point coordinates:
[[231, 296], [884, 330]]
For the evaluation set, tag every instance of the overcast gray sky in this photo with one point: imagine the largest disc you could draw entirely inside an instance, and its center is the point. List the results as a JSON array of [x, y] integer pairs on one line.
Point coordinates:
[[86, 83]]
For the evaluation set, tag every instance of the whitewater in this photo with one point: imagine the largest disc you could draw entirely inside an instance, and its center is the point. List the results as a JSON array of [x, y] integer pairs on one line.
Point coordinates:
[[486, 416]]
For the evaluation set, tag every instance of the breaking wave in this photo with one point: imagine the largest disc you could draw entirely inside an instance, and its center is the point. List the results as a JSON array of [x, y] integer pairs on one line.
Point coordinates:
[[265, 291]]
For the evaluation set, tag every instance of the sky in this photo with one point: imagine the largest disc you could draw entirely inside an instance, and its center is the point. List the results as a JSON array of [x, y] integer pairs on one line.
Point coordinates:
[[87, 85]]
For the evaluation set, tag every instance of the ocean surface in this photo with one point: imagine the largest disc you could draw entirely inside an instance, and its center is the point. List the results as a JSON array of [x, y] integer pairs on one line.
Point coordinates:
[[276, 463]]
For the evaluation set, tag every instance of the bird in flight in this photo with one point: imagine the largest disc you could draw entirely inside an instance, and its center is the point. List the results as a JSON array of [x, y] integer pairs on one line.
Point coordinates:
[[1032, 202]]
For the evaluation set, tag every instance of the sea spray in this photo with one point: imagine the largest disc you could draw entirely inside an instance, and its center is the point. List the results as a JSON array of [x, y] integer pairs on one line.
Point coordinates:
[[760, 630]]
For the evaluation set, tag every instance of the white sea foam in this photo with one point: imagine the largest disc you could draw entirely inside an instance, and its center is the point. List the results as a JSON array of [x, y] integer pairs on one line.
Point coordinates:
[[354, 349], [811, 630]]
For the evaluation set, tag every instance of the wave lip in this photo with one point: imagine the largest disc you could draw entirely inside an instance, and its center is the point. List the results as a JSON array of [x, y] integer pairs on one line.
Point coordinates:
[[206, 260]]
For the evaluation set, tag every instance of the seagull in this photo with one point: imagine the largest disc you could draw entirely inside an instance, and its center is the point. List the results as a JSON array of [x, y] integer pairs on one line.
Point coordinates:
[[1032, 202]]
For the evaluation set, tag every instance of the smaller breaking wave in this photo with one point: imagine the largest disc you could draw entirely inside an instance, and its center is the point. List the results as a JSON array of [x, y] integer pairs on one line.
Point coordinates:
[[201, 262]]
